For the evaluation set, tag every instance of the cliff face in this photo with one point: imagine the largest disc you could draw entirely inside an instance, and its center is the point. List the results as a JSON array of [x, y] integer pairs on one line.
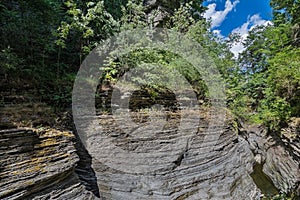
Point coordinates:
[[51, 164], [39, 164], [157, 164], [42, 164], [279, 154]]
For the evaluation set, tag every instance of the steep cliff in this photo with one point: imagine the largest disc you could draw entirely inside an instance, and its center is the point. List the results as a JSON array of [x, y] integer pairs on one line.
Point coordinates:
[[163, 162], [39, 164], [278, 153]]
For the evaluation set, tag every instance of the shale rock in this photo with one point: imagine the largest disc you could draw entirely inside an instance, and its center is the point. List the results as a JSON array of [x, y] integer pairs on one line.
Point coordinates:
[[154, 160], [39, 164], [279, 154]]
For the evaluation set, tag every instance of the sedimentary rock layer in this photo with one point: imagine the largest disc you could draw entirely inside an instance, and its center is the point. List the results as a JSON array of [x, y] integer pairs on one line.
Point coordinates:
[[39, 164], [279, 155], [171, 160]]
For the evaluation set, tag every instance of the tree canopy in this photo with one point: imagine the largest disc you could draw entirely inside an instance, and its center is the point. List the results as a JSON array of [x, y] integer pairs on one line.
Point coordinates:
[[43, 43]]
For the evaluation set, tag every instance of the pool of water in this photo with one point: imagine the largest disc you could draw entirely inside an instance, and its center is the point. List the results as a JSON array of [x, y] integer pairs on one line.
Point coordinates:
[[263, 182]]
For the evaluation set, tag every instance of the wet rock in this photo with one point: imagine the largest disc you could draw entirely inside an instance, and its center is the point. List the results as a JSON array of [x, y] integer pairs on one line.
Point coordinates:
[[258, 158]]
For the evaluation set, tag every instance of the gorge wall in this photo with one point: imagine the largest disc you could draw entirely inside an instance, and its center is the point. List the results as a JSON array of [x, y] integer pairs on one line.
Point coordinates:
[[52, 164], [42, 164], [158, 165], [278, 153], [39, 164]]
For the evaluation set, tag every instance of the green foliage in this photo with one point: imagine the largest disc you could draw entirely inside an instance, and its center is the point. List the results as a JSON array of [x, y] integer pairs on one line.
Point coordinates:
[[270, 71], [285, 70], [9, 61], [133, 16], [62, 96], [282, 196], [182, 21], [36, 19], [196, 8], [274, 110], [114, 7], [56, 36], [91, 23], [286, 11], [158, 68]]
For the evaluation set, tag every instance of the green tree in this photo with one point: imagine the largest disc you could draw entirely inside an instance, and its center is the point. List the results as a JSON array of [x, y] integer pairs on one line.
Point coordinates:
[[270, 69], [88, 25]]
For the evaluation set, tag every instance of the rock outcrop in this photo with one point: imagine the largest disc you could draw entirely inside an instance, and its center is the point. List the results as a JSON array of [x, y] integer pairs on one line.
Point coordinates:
[[160, 11], [39, 164], [169, 161], [279, 155]]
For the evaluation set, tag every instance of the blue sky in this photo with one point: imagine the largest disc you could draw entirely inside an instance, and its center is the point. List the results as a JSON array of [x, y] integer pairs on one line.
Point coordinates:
[[239, 16]]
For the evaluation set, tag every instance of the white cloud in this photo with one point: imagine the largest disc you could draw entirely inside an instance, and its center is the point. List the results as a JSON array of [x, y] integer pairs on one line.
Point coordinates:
[[217, 17], [218, 34], [243, 30]]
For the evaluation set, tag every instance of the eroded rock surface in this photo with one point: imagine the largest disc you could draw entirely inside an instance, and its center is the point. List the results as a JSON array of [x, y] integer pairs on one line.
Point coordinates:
[[39, 165], [44, 164], [165, 163], [279, 155]]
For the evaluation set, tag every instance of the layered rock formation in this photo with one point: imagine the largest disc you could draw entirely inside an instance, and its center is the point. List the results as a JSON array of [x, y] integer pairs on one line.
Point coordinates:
[[154, 160], [44, 164], [39, 165], [279, 155]]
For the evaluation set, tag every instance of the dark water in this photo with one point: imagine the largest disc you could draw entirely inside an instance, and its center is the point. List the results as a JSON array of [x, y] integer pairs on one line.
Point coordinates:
[[263, 182]]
